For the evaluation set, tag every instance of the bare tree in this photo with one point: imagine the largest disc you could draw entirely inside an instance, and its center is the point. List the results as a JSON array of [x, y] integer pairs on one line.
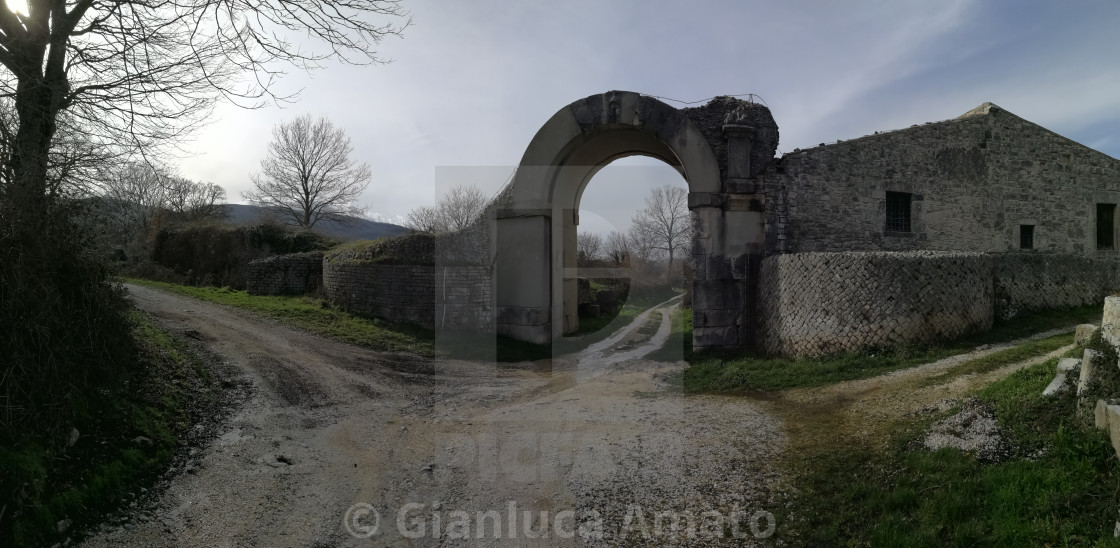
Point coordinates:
[[459, 209], [618, 248], [134, 73], [308, 174], [135, 194], [188, 200], [589, 248], [663, 225]]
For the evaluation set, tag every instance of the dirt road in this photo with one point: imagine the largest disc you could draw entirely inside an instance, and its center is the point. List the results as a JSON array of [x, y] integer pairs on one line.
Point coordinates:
[[337, 439]]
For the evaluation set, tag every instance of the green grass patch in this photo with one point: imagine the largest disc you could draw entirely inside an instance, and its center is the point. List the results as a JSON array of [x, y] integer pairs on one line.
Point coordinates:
[[713, 372], [1002, 358], [1058, 488], [45, 483], [314, 315], [679, 343]]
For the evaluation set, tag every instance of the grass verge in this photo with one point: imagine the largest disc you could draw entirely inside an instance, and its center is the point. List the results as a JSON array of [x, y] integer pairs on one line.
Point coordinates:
[[1058, 486], [719, 373], [313, 315], [996, 360], [119, 448]]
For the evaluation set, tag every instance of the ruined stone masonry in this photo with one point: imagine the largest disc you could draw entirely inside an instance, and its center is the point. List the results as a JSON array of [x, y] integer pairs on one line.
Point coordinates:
[[291, 274], [917, 234]]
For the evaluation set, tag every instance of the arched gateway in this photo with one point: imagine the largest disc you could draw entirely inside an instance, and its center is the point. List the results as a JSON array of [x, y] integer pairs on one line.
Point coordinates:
[[718, 148]]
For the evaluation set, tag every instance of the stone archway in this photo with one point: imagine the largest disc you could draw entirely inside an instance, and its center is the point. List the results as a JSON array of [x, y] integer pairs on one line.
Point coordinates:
[[535, 290]]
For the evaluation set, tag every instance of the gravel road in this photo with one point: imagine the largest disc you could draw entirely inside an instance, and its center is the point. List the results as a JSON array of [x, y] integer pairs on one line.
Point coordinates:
[[342, 446]]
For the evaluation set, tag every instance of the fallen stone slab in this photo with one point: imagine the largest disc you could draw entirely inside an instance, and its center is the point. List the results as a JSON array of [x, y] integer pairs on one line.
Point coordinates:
[[1056, 386], [1067, 367]]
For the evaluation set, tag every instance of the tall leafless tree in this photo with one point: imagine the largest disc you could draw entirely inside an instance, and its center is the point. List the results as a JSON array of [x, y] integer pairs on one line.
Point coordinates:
[[308, 174], [457, 210], [664, 223], [135, 194], [589, 248], [618, 248], [188, 200]]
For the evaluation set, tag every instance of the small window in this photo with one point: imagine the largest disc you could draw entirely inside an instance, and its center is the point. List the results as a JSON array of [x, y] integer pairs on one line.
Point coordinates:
[[1106, 214], [898, 212], [1026, 236]]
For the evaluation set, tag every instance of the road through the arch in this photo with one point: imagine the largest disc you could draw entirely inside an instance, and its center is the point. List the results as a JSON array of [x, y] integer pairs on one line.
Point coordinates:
[[597, 449]]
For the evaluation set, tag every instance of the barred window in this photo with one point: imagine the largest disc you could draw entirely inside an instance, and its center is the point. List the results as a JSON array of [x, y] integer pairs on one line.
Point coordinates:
[[1026, 236], [1106, 214], [898, 212]]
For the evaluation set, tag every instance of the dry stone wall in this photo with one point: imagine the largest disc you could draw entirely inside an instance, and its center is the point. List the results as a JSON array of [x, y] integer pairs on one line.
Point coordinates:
[[1040, 281], [294, 273], [812, 304]]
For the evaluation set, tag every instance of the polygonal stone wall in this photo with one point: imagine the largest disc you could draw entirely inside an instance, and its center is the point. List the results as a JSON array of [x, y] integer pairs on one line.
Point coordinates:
[[813, 304]]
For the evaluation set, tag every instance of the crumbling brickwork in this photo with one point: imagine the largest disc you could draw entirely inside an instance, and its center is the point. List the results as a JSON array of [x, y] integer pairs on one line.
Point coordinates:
[[291, 274], [813, 304]]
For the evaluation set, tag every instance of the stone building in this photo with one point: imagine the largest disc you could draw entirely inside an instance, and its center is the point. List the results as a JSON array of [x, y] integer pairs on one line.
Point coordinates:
[[1025, 219], [988, 181]]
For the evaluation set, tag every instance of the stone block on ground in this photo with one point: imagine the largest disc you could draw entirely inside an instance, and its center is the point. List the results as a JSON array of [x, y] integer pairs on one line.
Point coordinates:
[[588, 310], [1068, 365], [1110, 321], [1057, 385], [1100, 415], [608, 301], [584, 288], [1088, 362], [1083, 333], [1113, 412]]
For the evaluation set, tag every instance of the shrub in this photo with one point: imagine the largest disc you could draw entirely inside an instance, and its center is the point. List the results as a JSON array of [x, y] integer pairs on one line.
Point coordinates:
[[219, 255], [64, 336]]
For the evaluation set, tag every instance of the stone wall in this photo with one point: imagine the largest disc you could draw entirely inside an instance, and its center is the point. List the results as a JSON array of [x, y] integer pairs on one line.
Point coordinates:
[[464, 297], [295, 273], [398, 293], [811, 304], [424, 295], [1039, 281], [974, 181]]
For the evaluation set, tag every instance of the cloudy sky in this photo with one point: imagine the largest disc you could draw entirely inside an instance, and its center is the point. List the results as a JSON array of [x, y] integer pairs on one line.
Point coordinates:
[[471, 82]]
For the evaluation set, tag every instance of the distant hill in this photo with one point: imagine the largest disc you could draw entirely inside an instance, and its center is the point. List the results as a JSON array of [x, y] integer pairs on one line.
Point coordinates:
[[360, 229]]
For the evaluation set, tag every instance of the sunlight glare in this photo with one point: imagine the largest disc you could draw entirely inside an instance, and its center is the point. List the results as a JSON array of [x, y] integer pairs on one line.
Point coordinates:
[[18, 6]]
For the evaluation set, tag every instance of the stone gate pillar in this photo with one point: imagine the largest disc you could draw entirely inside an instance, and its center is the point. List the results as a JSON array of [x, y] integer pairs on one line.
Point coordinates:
[[523, 275]]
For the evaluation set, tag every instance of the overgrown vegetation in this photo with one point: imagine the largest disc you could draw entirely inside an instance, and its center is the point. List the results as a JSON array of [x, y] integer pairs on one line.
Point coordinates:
[[121, 443], [64, 338], [1058, 488], [218, 254], [721, 373], [314, 315]]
